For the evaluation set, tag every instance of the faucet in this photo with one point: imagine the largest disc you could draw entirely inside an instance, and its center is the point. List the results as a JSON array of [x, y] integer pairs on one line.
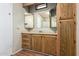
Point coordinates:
[[40, 31]]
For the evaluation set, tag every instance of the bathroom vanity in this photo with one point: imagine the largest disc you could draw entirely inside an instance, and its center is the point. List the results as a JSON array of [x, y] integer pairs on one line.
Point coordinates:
[[40, 42], [43, 38]]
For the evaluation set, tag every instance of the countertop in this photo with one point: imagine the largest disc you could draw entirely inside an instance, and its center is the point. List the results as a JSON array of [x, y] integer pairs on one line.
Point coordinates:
[[52, 33]]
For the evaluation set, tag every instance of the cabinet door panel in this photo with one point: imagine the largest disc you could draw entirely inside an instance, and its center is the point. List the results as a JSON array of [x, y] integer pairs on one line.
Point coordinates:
[[66, 10], [36, 43], [67, 37], [49, 44]]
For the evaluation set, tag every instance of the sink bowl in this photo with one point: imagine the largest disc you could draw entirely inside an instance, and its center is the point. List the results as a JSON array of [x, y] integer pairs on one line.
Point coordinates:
[[40, 31]]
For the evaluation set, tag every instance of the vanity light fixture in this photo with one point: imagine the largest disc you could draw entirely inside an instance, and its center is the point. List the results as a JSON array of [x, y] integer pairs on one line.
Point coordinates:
[[41, 6]]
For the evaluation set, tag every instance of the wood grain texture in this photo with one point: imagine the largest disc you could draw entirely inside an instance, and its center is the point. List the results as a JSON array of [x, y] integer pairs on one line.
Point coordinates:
[[49, 44], [26, 41], [37, 43], [66, 11], [66, 29], [41, 43], [67, 37]]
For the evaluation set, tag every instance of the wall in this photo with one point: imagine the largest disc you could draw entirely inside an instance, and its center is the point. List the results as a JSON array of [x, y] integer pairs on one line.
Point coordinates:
[[18, 25], [5, 29], [77, 32]]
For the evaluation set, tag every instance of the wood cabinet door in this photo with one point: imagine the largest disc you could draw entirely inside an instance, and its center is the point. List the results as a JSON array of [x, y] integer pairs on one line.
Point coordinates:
[[36, 43], [49, 44], [67, 37], [66, 10]]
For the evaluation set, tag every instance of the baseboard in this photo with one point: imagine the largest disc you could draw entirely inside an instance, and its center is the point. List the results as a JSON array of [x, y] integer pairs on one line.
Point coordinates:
[[16, 52]]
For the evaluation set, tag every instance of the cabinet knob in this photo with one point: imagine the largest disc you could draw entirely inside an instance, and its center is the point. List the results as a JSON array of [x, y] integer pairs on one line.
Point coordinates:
[[74, 41], [60, 21], [74, 14], [74, 22]]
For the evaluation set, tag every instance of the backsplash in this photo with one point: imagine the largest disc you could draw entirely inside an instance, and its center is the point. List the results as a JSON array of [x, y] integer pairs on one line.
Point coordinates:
[[40, 30]]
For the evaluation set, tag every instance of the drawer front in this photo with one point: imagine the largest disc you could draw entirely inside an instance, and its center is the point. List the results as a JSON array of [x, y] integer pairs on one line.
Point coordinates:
[[24, 35], [25, 43], [25, 40], [26, 46]]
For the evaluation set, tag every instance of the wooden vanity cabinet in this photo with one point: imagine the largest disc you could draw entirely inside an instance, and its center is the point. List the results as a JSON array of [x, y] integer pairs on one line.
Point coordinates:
[[49, 44], [40, 43], [37, 43], [26, 41], [44, 43]]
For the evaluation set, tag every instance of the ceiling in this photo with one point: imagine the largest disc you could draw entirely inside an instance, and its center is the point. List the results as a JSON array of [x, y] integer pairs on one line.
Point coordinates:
[[27, 4]]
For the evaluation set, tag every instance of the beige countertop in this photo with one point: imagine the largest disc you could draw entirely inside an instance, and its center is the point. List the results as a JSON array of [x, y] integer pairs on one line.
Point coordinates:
[[39, 32]]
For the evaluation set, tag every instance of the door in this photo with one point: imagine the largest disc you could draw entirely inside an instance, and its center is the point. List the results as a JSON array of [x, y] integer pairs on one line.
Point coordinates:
[[49, 44], [67, 37], [36, 43], [66, 10]]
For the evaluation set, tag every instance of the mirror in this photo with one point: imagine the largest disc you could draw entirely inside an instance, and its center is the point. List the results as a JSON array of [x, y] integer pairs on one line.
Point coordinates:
[[53, 19], [42, 19]]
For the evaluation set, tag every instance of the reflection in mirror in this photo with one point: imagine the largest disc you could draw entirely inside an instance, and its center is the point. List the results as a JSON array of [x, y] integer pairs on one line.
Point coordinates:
[[42, 19], [28, 21], [37, 20], [53, 19]]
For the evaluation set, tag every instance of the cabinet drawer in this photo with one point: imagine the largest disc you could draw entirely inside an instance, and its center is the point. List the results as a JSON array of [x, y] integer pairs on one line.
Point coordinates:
[[25, 40], [26, 46], [25, 43], [24, 35]]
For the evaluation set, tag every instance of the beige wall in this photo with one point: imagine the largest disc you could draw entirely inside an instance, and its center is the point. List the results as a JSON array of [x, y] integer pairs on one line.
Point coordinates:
[[18, 25], [77, 32]]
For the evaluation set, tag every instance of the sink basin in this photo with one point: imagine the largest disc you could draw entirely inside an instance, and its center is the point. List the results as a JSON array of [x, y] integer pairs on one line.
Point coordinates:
[[40, 31]]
